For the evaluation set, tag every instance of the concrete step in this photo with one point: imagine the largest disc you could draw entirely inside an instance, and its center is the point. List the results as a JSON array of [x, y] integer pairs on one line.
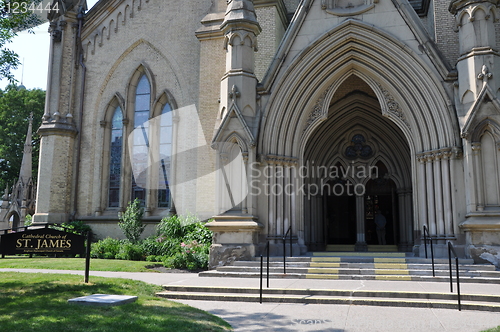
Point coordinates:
[[360, 271], [362, 259], [322, 296], [399, 277], [418, 266], [371, 248]]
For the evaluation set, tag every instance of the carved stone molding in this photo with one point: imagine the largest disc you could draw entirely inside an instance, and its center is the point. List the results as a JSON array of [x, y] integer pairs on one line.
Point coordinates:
[[476, 146], [280, 160], [393, 107], [445, 153], [347, 7], [317, 111]]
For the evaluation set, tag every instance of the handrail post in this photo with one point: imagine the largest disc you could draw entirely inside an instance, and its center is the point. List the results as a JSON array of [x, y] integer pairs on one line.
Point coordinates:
[[450, 249], [284, 255], [284, 247], [425, 241], [267, 246], [458, 285], [426, 232], [261, 268], [432, 258], [449, 264]]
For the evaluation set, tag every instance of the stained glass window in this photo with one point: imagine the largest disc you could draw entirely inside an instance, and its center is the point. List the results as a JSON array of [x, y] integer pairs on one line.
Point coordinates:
[[115, 159], [141, 140], [165, 156]]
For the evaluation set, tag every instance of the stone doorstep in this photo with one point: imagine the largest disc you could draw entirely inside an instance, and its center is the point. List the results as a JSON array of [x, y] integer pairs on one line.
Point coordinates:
[[485, 298], [314, 299], [103, 300], [214, 273]]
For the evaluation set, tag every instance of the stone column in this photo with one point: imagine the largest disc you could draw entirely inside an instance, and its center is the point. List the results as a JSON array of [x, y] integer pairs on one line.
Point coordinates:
[[438, 190], [431, 212], [448, 208], [360, 224], [58, 131], [478, 175], [422, 198]]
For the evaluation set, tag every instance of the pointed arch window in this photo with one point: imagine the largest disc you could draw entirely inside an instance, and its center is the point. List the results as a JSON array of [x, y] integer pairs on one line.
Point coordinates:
[[115, 158], [165, 156], [140, 139]]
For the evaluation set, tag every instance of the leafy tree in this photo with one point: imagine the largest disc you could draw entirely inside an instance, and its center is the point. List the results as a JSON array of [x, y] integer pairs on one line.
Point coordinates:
[[131, 221], [13, 18], [16, 104]]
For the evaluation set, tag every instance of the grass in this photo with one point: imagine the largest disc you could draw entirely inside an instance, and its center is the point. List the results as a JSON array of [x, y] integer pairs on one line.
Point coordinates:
[[17, 262], [495, 329], [38, 302]]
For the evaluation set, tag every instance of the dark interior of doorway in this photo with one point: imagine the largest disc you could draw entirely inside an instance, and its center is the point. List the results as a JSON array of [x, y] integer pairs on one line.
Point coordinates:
[[387, 206], [341, 219]]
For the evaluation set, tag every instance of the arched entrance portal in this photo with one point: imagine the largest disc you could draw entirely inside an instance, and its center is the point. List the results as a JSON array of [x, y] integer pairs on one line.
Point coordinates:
[[359, 163]]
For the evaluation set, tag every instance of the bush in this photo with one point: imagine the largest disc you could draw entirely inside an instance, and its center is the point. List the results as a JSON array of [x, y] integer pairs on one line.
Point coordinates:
[[130, 251], [107, 248], [131, 221], [193, 256], [160, 246]]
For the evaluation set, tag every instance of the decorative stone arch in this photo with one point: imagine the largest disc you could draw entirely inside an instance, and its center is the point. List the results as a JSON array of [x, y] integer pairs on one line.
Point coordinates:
[[408, 90], [385, 64], [142, 69], [105, 128], [166, 97], [241, 37], [232, 185], [486, 125]]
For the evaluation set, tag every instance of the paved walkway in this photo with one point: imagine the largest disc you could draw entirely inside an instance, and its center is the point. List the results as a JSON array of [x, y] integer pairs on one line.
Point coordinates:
[[311, 317]]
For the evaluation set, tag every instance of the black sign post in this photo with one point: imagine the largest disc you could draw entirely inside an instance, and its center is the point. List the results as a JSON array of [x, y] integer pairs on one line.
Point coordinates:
[[46, 241]]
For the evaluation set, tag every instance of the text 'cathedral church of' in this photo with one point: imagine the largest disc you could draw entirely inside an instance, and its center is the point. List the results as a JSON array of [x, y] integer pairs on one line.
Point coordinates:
[[269, 116]]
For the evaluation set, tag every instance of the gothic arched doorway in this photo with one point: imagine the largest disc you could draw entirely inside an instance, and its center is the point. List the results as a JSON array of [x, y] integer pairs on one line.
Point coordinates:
[[360, 160]]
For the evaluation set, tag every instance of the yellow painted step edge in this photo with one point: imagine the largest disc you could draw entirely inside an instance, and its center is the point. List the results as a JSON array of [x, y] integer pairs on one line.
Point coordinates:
[[321, 276], [323, 270]]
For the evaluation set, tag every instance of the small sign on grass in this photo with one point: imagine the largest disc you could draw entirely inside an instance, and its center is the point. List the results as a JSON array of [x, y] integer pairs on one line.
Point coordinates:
[[44, 240]]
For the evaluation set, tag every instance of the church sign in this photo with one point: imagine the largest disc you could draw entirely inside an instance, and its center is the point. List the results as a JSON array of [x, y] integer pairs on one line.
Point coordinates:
[[42, 241], [46, 241]]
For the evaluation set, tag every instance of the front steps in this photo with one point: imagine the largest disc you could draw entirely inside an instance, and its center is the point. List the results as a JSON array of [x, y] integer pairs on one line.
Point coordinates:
[[359, 266], [349, 266], [321, 296]]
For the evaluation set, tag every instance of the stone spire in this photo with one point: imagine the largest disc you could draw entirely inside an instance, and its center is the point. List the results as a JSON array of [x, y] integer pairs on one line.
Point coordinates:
[[26, 165], [241, 12]]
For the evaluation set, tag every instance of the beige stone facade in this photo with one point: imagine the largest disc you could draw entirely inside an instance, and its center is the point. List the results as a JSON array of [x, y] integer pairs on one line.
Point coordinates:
[[278, 109]]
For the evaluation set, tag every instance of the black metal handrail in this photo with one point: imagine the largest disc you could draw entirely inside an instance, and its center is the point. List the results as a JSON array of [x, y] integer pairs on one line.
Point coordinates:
[[450, 250], [284, 247], [262, 268], [426, 231]]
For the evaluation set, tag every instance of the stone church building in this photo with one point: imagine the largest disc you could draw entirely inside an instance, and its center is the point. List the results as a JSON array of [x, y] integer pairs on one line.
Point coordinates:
[[276, 116]]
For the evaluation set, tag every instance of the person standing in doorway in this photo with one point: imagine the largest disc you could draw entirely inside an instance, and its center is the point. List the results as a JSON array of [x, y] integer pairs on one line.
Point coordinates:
[[380, 221]]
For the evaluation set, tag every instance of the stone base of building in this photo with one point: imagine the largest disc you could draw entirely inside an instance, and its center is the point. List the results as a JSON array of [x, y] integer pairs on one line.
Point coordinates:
[[235, 238], [483, 242]]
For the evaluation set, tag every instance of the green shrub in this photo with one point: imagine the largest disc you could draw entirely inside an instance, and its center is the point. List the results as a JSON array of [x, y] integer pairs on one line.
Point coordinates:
[[160, 246], [130, 251], [131, 221], [170, 227], [107, 248], [189, 242], [192, 256]]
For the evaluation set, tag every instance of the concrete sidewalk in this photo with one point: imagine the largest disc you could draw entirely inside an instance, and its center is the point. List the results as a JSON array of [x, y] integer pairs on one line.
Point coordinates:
[[244, 316]]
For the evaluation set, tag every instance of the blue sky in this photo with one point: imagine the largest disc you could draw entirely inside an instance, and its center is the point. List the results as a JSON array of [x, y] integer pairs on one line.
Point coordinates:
[[33, 50]]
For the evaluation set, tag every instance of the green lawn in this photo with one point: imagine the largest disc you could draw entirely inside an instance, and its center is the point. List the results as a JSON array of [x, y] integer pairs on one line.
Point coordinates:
[[17, 262], [38, 302]]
